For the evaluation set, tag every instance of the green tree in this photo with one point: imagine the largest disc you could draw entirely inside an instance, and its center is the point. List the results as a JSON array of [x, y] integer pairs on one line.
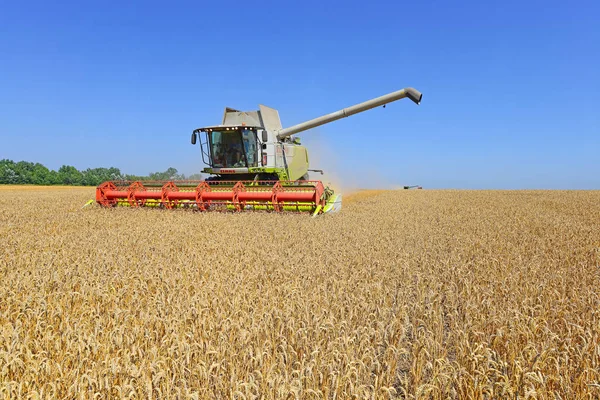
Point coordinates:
[[69, 175], [114, 174], [8, 174], [95, 176], [169, 174], [129, 177], [24, 170], [40, 175], [53, 178], [195, 177]]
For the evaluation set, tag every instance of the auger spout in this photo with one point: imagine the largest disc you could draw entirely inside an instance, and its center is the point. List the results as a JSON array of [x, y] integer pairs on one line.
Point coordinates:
[[411, 93]]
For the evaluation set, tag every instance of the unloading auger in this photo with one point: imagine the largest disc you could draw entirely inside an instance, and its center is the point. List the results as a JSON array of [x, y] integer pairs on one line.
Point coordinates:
[[254, 164]]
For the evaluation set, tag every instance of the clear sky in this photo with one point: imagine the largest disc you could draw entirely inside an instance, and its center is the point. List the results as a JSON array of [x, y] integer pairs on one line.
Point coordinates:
[[511, 89]]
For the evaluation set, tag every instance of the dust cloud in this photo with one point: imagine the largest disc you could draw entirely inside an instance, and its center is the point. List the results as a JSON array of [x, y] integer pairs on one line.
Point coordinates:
[[342, 174]]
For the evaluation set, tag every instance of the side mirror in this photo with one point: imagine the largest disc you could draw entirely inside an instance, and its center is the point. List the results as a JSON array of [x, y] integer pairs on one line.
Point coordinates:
[[265, 136], [193, 137]]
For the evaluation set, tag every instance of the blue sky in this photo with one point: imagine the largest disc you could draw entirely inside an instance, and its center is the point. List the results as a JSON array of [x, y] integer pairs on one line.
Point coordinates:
[[511, 89]]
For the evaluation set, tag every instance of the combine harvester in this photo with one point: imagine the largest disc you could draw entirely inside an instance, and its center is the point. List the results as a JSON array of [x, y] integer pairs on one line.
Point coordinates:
[[254, 163]]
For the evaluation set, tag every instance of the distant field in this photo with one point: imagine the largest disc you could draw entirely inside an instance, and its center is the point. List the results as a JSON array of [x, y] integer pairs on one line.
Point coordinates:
[[40, 187], [404, 294]]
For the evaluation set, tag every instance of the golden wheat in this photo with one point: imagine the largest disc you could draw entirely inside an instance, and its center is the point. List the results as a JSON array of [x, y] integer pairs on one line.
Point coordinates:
[[405, 294]]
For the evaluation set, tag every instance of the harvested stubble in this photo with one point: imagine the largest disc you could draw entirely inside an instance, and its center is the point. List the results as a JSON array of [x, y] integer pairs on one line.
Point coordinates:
[[405, 294]]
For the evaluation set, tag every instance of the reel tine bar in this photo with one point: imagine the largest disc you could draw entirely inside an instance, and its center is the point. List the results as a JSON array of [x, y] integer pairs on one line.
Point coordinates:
[[279, 196]]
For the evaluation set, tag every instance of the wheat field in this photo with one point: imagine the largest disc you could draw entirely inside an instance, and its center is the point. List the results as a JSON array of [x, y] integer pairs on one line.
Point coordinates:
[[404, 294]]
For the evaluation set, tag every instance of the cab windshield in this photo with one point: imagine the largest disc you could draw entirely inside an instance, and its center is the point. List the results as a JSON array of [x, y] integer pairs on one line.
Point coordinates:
[[233, 148]]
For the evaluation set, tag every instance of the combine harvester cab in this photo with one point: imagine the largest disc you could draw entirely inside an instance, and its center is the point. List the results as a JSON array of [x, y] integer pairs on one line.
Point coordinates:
[[254, 164]]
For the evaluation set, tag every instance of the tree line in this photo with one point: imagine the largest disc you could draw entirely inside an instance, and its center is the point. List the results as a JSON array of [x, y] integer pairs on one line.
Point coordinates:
[[28, 173]]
